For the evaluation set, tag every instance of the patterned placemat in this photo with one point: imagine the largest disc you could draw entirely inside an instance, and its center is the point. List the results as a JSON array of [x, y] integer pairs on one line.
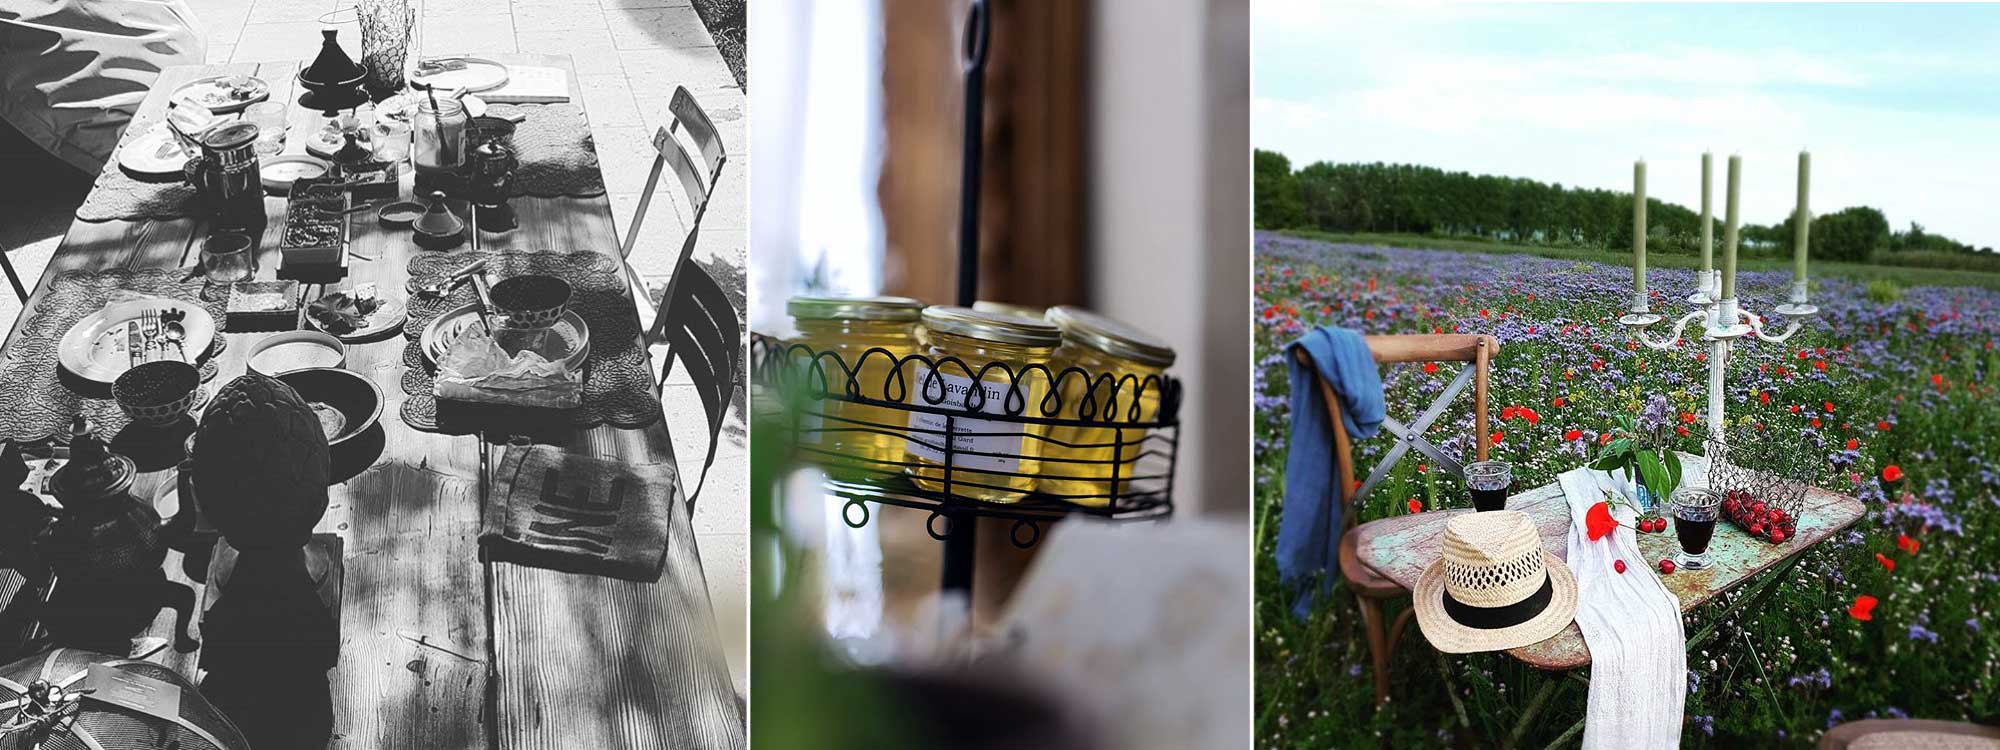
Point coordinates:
[[556, 153], [41, 397], [617, 378], [118, 195]]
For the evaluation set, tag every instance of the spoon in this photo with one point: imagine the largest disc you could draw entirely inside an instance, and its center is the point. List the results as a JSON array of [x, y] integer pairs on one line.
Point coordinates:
[[175, 334]]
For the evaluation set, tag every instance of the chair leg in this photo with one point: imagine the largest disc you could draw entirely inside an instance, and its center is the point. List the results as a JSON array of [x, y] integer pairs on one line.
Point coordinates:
[[1396, 631], [1378, 647], [13, 278]]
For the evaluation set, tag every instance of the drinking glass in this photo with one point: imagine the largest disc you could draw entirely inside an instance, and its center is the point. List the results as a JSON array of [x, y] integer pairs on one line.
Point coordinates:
[[1489, 482], [228, 257], [1695, 512], [269, 117]]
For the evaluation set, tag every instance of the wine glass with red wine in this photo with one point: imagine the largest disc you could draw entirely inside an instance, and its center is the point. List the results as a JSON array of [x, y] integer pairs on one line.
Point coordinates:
[[1489, 482], [1695, 513]]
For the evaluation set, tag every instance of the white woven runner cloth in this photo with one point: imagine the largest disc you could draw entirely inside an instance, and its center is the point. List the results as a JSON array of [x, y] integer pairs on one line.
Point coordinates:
[[1638, 652]]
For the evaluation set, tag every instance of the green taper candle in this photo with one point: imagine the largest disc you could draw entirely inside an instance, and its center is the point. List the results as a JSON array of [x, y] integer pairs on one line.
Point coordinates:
[[1802, 219], [1707, 215], [1729, 228], [1639, 226]]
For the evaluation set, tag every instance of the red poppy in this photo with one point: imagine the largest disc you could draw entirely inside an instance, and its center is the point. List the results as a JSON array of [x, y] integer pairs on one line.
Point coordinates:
[[1853, 444], [1892, 473], [1829, 407], [1598, 521], [1820, 365], [1573, 435], [1687, 417], [1604, 439], [1270, 312], [1681, 430], [1937, 380], [1863, 609], [1422, 468], [1530, 415], [1507, 412], [1907, 544], [1430, 367], [1815, 422], [1558, 403], [1764, 396], [1416, 506], [1325, 310], [1498, 436], [1795, 408], [1883, 426], [1886, 562]]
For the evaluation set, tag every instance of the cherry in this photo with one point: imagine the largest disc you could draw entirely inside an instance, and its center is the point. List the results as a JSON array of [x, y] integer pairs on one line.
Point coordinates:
[[1757, 529], [1778, 536], [1618, 565], [1666, 566]]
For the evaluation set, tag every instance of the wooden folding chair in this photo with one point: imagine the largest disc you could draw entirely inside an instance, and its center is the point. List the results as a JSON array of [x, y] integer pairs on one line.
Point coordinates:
[[695, 317], [1371, 589]]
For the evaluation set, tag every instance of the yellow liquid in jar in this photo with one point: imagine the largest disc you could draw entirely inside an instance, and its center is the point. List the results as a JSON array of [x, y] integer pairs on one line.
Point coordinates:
[[1022, 443], [1083, 475], [852, 440]]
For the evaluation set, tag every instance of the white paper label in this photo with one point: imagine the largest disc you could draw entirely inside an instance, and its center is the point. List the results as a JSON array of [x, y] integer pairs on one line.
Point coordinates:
[[930, 445], [134, 691]]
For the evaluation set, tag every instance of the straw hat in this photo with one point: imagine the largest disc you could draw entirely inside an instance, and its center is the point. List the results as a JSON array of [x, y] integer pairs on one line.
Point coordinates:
[[1494, 588]]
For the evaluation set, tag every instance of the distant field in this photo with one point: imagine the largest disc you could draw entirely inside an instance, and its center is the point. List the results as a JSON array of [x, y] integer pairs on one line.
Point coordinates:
[[1904, 275]]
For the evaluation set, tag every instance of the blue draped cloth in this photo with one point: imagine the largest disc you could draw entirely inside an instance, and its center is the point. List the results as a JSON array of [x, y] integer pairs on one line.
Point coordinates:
[[1309, 533]]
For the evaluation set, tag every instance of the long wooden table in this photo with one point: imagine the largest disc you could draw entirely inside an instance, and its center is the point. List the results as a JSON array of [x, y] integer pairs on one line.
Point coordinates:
[[439, 650]]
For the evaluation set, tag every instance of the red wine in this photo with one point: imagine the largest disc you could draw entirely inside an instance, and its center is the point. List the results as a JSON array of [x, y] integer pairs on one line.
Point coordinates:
[[1694, 535], [1494, 499]]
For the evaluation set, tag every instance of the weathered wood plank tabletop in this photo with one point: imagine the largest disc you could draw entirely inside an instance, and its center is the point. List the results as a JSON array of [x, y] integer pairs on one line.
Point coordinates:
[[511, 656], [1401, 547]]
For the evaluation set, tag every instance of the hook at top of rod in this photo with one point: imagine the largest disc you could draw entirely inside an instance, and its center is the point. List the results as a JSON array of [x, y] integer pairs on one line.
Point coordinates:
[[976, 32]]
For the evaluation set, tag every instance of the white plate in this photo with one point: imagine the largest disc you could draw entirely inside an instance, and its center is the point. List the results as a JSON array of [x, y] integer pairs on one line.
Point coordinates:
[[479, 74], [279, 172], [154, 153], [97, 347], [445, 329], [212, 93], [389, 315]]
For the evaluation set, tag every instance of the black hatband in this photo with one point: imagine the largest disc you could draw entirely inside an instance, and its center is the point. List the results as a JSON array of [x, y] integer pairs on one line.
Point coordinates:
[[1494, 618]]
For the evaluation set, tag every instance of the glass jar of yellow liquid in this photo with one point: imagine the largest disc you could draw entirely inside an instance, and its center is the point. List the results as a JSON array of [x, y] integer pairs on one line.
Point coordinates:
[[991, 460], [1078, 462], [854, 440]]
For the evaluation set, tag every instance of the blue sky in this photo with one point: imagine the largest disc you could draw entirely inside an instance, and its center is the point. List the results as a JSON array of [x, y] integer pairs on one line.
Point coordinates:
[[1900, 106]]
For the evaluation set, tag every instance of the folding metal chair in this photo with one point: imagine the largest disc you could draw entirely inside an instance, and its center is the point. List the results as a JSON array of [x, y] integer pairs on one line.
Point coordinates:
[[695, 318], [1372, 589]]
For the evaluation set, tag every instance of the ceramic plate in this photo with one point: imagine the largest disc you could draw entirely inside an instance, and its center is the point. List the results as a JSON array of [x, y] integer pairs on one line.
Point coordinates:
[[279, 172], [387, 317], [571, 340], [224, 94], [153, 153], [479, 74], [98, 347]]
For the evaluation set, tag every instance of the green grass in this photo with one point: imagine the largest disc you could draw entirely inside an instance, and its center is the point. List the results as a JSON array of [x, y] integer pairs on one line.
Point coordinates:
[[1864, 272]]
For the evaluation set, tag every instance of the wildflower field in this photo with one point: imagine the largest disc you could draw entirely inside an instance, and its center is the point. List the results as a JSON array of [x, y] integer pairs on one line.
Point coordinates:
[[1894, 388]]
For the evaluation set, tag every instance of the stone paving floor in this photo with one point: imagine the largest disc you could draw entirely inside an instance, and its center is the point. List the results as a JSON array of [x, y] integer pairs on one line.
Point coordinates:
[[629, 56]]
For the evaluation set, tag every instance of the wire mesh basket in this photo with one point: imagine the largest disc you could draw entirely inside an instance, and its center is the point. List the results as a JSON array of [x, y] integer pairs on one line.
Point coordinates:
[[1030, 443], [1763, 482]]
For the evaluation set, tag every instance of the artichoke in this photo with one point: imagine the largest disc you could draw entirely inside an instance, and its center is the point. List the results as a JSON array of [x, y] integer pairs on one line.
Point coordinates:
[[261, 465]]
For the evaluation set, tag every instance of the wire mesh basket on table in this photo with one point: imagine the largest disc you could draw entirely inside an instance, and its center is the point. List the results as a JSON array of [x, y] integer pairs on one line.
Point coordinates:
[[1763, 481], [1031, 444], [70, 699]]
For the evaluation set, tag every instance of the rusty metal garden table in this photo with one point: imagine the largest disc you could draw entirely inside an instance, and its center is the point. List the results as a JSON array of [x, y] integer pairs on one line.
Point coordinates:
[[440, 650], [1401, 547]]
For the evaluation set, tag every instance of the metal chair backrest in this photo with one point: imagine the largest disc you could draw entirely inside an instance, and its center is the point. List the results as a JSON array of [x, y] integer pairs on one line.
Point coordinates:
[[1477, 351], [702, 334], [697, 180]]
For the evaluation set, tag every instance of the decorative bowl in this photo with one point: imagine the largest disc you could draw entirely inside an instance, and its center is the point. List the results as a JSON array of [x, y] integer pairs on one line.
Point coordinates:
[[157, 393], [346, 402]]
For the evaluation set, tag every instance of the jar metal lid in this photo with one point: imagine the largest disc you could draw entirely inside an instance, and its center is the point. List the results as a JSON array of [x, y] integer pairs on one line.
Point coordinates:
[[988, 326], [229, 136], [1009, 308], [854, 308], [1111, 336]]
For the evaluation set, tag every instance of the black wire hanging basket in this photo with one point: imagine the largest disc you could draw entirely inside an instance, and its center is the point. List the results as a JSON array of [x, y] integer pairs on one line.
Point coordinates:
[[1030, 445]]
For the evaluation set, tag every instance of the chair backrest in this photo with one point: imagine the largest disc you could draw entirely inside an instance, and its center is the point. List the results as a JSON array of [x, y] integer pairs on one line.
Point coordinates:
[[1477, 351], [702, 333], [697, 180]]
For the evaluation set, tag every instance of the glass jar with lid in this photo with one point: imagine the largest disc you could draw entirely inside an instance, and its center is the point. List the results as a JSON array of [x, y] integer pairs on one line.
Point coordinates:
[[991, 459], [853, 440], [1079, 461]]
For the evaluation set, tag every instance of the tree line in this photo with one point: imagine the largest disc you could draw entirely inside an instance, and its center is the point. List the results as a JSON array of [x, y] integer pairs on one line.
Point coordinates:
[[1410, 198]]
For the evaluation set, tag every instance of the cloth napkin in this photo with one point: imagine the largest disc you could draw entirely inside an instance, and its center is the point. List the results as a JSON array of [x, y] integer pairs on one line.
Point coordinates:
[[1638, 652], [563, 511]]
